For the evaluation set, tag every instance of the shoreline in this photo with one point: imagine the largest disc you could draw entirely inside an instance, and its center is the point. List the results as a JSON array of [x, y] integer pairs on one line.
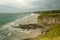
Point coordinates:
[[22, 33], [23, 20]]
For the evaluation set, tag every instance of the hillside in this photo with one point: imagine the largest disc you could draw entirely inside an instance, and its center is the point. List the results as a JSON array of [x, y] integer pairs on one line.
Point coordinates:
[[51, 22], [49, 18]]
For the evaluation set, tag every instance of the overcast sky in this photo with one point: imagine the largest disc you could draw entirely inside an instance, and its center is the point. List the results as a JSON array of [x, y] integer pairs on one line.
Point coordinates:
[[31, 5]]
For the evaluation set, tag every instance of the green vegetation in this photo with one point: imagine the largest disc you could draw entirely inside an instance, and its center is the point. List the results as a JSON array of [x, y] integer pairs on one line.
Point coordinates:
[[54, 29], [49, 18], [44, 15], [54, 32]]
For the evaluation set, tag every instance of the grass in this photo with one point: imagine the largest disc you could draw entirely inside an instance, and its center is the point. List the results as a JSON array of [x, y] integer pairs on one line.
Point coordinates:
[[45, 15], [54, 29], [52, 34]]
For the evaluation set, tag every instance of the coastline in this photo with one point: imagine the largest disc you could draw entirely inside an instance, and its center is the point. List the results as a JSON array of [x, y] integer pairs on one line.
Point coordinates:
[[30, 19], [20, 33]]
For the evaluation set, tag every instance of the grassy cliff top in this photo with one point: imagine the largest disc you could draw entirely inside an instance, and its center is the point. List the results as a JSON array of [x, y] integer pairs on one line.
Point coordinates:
[[49, 11], [53, 31], [52, 34], [44, 15]]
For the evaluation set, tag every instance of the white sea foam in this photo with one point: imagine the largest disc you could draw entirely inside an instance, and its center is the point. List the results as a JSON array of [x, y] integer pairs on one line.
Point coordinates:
[[21, 33], [2, 37], [9, 33], [30, 19]]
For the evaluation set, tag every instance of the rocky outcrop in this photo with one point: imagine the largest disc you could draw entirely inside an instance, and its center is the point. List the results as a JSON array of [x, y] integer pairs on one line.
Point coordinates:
[[35, 30], [27, 39], [29, 26]]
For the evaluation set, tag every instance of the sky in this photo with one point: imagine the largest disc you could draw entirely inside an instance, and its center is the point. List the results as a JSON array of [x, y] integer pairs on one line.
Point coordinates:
[[28, 5]]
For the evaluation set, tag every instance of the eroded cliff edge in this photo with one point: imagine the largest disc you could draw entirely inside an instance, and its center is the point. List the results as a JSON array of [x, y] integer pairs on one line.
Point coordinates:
[[51, 22]]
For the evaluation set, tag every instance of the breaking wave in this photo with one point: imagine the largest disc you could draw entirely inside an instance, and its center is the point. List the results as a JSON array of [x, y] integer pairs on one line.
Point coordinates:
[[11, 32]]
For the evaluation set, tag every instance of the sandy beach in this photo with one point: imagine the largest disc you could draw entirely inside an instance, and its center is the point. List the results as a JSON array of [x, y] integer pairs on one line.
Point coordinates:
[[19, 34], [30, 19]]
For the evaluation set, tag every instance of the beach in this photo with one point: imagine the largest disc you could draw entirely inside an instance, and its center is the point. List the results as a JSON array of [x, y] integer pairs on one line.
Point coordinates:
[[19, 34]]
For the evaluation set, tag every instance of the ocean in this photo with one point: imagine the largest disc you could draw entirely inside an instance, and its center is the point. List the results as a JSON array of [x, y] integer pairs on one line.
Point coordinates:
[[8, 17], [10, 33]]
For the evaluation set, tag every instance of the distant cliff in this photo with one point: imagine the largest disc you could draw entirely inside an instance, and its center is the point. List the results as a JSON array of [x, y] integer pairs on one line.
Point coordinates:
[[51, 21], [48, 18]]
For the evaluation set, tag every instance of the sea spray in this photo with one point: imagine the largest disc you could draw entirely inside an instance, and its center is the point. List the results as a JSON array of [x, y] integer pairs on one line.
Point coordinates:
[[30, 19], [9, 30], [18, 32], [16, 22]]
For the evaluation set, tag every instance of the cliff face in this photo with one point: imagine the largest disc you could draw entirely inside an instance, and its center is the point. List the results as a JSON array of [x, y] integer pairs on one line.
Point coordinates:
[[49, 18]]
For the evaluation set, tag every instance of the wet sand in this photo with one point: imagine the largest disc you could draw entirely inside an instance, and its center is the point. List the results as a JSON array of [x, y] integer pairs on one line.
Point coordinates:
[[19, 34]]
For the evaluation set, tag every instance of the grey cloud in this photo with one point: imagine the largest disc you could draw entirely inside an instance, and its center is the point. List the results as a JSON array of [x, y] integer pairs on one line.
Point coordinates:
[[36, 5]]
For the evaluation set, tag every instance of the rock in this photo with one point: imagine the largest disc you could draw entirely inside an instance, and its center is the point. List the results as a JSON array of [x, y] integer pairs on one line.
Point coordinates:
[[29, 26], [27, 39]]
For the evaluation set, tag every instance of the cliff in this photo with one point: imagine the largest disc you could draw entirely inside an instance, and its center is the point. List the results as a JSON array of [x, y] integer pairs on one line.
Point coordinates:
[[49, 18], [51, 21]]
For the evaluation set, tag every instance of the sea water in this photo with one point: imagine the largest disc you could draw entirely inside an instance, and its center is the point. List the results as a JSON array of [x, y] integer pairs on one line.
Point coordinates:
[[8, 17], [9, 33]]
